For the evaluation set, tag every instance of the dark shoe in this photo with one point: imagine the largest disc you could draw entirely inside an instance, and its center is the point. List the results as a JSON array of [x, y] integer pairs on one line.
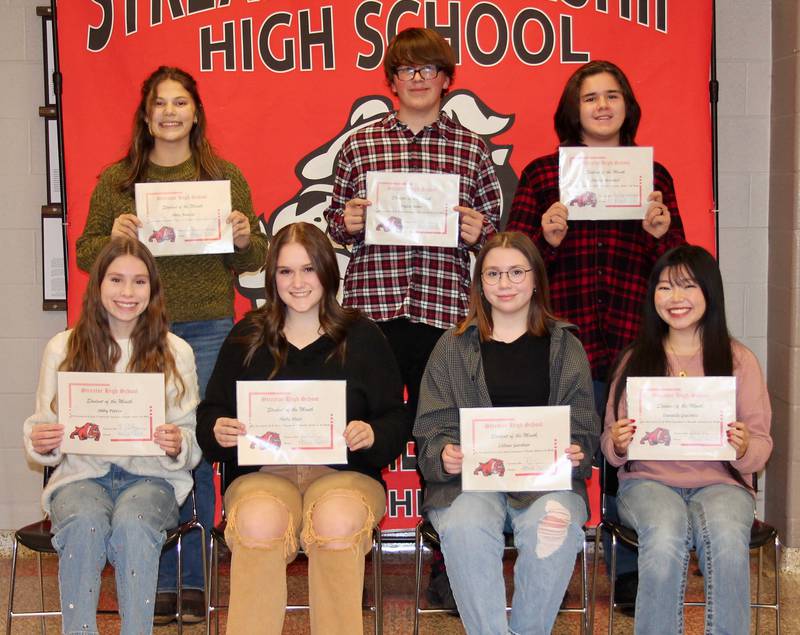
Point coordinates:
[[193, 609], [439, 593], [625, 590], [165, 610]]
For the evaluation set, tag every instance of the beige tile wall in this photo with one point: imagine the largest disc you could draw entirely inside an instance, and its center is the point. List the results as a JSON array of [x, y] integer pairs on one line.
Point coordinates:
[[783, 488]]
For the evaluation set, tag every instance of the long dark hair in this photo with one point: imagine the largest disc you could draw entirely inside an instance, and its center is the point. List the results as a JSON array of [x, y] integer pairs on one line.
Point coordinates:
[[539, 311], [268, 321], [92, 347], [647, 357], [206, 162], [568, 113]]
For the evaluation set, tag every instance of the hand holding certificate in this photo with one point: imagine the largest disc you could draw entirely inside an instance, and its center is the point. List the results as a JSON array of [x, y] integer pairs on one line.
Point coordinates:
[[291, 422], [115, 414], [515, 449], [185, 217], [681, 418], [605, 183], [412, 208]]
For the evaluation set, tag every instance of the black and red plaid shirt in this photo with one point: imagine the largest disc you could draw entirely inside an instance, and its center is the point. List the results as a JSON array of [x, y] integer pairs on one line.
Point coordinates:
[[598, 274], [423, 284]]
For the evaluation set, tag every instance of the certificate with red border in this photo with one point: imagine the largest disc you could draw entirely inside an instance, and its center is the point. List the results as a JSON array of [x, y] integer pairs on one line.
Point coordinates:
[[681, 418], [114, 414], [515, 449], [605, 183], [412, 208], [292, 422], [182, 218]]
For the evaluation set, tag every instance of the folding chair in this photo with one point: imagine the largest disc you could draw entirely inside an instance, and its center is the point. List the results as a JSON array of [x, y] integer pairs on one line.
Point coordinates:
[[427, 537], [38, 537], [218, 541], [761, 534]]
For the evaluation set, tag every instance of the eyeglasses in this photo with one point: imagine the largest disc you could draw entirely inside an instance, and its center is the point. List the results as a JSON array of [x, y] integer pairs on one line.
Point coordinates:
[[407, 73], [515, 275]]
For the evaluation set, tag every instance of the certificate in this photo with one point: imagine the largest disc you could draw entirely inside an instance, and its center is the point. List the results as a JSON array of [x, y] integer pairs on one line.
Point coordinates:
[[681, 418], [111, 413], [515, 449], [181, 218], [292, 422], [412, 208], [605, 183]]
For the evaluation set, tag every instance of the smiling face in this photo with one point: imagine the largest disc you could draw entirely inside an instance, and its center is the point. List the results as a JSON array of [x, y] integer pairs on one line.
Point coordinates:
[[296, 280], [507, 298], [602, 110], [679, 300], [420, 97], [125, 294], [171, 114]]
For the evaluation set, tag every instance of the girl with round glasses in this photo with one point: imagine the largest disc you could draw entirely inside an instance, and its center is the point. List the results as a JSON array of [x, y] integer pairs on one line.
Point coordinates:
[[509, 351]]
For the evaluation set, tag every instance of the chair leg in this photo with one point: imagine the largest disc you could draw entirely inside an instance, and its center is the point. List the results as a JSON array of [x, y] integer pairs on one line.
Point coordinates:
[[377, 565], [213, 589], [758, 584], [179, 601], [41, 590], [777, 587], [11, 585], [584, 589], [595, 565], [418, 576], [611, 582]]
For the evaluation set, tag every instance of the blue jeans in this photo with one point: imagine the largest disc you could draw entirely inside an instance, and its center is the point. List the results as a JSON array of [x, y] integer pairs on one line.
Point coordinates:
[[548, 534], [716, 521], [121, 518], [205, 338]]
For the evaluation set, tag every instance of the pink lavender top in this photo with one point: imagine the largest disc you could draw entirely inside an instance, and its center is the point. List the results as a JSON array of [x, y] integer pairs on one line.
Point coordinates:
[[752, 408]]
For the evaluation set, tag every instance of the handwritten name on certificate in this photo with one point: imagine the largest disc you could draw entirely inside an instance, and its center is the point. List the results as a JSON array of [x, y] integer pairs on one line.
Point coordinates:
[[292, 422], [681, 418], [114, 414], [605, 183], [182, 218], [515, 449], [412, 208]]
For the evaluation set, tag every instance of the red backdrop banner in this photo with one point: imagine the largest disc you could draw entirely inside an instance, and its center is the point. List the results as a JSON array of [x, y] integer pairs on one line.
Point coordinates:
[[284, 83]]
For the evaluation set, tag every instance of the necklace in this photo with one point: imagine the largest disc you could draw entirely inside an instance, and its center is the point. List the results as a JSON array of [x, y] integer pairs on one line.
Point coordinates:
[[681, 371]]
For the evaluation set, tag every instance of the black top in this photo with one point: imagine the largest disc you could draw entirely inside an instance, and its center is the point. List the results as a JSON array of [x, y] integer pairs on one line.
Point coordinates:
[[374, 392], [518, 373]]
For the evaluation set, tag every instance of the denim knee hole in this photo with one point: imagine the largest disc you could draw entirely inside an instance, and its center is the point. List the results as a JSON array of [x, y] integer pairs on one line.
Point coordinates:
[[552, 529]]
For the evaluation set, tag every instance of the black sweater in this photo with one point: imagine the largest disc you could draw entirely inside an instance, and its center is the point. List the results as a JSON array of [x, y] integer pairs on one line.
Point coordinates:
[[374, 392]]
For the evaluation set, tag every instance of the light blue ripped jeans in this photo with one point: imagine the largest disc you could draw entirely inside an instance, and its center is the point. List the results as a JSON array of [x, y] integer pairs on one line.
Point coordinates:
[[548, 535], [716, 521], [119, 517]]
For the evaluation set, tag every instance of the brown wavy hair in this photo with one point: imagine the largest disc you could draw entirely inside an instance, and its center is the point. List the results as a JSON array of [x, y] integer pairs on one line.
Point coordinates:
[[266, 323], [92, 347], [539, 311], [567, 118], [207, 166]]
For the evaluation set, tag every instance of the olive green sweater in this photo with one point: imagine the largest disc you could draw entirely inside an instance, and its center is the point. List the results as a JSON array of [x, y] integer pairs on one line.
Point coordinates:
[[196, 287]]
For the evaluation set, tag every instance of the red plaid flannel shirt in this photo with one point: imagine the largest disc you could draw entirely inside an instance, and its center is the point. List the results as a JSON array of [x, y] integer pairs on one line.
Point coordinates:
[[423, 284], [598, 275]]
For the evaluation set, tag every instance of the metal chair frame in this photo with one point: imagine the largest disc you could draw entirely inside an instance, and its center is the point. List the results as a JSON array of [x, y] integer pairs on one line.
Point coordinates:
[[761, 534], [218, 540], [426, 536], [37, 537]]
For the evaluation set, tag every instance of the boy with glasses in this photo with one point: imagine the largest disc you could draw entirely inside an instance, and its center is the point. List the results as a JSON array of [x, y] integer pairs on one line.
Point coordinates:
[[414, 293]]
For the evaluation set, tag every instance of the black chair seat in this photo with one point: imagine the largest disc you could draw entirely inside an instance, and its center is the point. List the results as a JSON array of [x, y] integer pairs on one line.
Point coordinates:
[[761, 533], [218, 531], [37, 536]]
